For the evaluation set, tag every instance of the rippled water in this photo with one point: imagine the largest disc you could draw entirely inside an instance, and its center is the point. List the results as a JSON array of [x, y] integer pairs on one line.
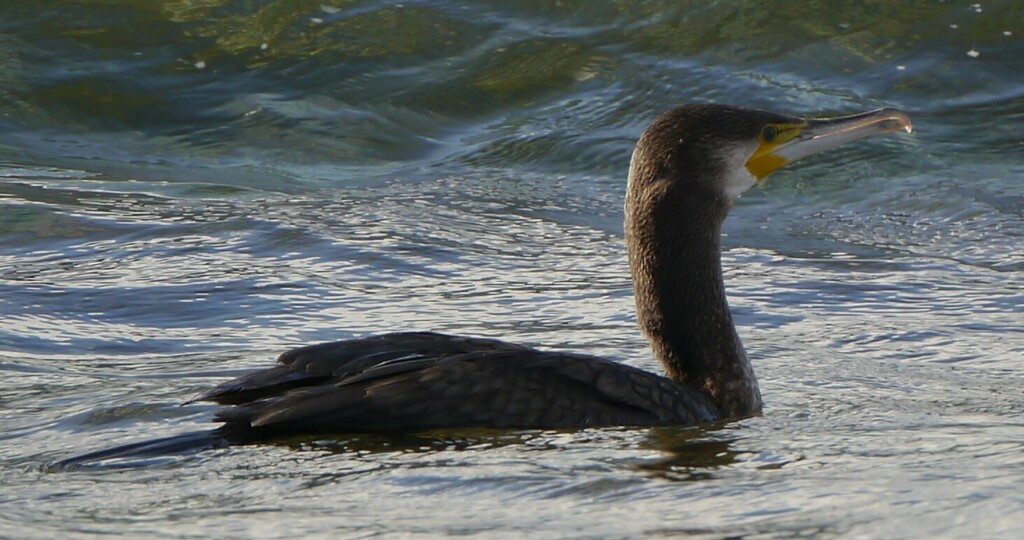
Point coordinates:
[[188, 188]]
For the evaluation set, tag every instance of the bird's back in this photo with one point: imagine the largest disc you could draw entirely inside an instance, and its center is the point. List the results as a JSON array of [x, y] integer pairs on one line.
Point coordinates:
[[409, 381]]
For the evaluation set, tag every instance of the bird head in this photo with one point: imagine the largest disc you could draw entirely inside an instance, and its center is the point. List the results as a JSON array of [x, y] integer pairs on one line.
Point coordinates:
[[723, 151]]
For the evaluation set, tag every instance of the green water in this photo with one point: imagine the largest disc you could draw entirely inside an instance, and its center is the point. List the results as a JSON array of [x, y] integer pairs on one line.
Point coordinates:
[[188, 188]]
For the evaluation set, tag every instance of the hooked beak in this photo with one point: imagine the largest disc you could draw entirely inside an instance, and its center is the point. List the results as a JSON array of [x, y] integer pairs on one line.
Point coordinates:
[[816, 135]]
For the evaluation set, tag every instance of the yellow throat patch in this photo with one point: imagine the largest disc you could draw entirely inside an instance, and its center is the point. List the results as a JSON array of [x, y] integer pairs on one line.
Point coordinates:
[[764, 161]]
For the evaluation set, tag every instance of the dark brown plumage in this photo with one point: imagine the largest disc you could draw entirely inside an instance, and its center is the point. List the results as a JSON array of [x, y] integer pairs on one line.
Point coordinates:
[[675, 207], [410, 381], [687, 170]]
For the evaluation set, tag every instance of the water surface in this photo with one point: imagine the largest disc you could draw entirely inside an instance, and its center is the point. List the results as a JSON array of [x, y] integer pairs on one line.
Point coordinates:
[[189, 188]]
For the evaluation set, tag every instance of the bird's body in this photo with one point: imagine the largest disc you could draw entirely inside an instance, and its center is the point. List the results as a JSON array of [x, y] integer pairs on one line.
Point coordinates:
[[687, 170], [410, 381]]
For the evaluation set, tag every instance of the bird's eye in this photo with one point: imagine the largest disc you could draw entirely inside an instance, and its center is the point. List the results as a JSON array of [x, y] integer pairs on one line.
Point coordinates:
[[769, 133]]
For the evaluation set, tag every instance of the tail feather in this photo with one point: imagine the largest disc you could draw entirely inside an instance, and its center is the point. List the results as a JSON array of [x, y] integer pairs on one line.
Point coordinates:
[[176, 444]]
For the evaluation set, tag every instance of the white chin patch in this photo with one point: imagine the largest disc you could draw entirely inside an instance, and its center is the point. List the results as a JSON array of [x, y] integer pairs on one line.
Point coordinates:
[[739, 179]]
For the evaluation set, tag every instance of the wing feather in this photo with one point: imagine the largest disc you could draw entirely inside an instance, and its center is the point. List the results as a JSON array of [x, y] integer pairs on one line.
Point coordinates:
[[426, 380]]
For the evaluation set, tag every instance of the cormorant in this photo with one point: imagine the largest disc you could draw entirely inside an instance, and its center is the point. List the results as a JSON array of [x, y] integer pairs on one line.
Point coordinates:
[[689, 167]]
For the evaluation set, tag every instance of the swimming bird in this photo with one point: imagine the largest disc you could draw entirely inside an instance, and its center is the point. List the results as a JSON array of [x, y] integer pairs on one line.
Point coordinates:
[[687, 171]]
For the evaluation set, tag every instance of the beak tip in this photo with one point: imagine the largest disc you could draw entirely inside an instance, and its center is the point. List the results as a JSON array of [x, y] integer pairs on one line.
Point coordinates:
[[896, 120]]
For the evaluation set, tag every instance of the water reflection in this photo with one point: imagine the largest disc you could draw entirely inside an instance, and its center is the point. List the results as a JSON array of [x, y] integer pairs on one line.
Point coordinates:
[[689, 454]]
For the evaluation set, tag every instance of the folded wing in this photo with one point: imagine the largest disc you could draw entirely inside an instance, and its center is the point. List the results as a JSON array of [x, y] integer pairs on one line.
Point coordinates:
[[426, 380]]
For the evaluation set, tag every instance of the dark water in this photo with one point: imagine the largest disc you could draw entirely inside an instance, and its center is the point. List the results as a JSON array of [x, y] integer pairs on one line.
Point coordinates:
[[188, 188]]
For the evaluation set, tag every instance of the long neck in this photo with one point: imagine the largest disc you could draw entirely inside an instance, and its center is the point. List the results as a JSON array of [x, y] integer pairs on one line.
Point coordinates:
[[673, 238]]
